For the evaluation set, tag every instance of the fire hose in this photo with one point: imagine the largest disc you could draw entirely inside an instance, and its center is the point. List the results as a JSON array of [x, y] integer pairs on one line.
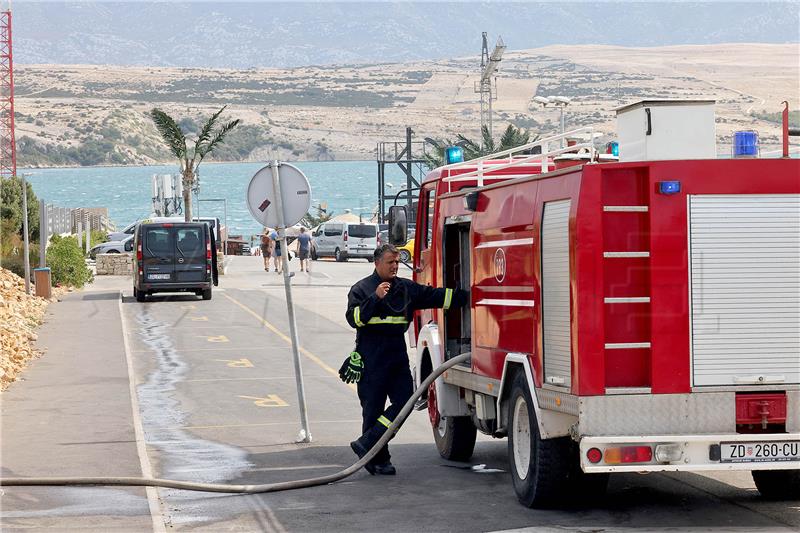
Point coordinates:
[[245, 489]]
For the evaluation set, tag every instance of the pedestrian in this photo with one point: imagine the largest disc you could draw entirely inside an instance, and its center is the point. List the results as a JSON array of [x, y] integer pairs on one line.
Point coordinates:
[[303, 249], [380, 308], [266, 248], [276, 251]]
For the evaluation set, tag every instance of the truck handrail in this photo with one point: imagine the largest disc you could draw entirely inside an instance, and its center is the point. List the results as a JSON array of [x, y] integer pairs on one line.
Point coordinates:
[[521, 160]]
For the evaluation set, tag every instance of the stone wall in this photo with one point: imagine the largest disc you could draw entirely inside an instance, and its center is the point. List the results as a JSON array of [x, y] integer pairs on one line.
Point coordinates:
[[114, 264]]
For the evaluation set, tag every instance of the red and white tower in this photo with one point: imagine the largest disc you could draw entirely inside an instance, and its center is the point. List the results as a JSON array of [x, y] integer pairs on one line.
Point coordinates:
[[8, 145]]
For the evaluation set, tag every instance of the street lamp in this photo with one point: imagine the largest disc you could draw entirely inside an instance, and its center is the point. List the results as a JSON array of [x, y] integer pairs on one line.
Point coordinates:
[[557, 101]]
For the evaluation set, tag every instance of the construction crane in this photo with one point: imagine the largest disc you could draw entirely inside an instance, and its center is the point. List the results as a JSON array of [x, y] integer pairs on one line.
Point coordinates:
[[8, 145], [489, 64]]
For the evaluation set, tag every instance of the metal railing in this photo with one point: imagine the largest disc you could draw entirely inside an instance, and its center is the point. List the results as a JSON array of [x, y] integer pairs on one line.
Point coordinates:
[[516, 157]]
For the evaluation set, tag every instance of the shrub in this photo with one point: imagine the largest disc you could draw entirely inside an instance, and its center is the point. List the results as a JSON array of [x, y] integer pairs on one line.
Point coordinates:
[[66, 262]]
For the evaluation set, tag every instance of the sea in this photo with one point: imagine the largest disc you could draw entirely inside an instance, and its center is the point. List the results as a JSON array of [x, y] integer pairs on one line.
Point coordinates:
[[343, 186]]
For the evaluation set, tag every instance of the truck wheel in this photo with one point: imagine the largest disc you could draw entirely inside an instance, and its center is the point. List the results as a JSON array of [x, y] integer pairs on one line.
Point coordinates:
[[140, 296], [207, 294], [588, 487], [539, 467], [778, 484], [454, 435]]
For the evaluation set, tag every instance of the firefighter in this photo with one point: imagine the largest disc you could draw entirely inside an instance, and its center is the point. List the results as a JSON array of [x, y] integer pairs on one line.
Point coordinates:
[[380, 308]]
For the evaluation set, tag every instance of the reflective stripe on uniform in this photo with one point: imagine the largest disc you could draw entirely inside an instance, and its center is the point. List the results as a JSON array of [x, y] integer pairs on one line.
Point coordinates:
[[385, 421], [388, 320], [357, 317], [448, 298]]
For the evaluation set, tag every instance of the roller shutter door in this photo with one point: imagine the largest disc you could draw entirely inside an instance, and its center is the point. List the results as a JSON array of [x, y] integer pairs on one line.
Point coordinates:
[[555, 293], [745, 289]]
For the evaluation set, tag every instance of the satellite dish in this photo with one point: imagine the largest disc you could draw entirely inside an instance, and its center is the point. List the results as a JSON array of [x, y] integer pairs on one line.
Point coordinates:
[[295, 195]]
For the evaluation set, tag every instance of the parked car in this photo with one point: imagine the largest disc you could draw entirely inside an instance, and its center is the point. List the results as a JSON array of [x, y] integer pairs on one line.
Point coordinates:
[[407, 251], [343, 240], [174, 257], [112, 247], [245, 249]]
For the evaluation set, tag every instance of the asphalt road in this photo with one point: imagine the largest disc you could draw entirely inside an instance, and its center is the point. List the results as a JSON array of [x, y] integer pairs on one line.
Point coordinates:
[[215, 400]]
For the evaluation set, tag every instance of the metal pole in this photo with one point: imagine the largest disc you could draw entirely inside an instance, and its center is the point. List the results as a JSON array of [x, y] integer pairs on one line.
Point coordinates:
[[88, 233], [44, 234], [26, 245], [227, 230], [563, 141], [305, 432]]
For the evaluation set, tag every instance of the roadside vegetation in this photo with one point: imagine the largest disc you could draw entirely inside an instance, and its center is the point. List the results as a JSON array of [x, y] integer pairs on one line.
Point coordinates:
[[66, 261]]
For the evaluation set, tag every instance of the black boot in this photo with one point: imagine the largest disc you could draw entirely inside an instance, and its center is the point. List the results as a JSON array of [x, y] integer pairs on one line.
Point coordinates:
[[385, 469], [365, 442]]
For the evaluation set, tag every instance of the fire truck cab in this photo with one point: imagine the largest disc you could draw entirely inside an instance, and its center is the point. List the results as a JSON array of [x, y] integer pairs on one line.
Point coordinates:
[[632, 316]]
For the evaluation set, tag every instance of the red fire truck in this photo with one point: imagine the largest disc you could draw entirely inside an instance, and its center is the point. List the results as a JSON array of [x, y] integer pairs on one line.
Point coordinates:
[[639, 315]]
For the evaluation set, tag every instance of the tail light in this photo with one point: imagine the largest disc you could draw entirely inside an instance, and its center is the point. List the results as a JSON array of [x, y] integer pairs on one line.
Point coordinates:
[[208, 251], [139, 259], [628, 454], [345, 237]]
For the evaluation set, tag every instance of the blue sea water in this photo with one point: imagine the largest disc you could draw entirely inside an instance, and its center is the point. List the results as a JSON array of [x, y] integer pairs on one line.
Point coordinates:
[[127, 191]]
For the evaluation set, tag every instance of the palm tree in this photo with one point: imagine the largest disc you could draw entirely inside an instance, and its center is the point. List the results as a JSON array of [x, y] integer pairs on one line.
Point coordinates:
[[511, 138], [190, 159]]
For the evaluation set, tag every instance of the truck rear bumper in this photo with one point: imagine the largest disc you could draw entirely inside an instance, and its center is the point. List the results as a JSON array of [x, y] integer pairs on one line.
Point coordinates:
[[692, 453]]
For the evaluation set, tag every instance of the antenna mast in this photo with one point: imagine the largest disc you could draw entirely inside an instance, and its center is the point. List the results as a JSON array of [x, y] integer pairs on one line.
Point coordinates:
[[489, 65], [8, 145]]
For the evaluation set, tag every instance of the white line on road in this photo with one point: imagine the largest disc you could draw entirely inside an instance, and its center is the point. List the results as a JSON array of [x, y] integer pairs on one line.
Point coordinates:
[[138, 431]]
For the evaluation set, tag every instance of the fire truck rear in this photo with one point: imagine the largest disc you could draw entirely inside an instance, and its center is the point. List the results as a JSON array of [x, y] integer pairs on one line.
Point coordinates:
[[638, 315]]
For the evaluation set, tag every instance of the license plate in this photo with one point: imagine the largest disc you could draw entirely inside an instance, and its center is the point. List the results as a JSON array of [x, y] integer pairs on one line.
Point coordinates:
[[757, 452], [158, 276]]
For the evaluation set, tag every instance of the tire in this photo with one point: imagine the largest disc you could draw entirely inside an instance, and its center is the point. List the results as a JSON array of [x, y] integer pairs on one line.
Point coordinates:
[[207, 294], [140, 296], [778, 484], [454, 435], [586, 487], [405, 257], [539, 467]]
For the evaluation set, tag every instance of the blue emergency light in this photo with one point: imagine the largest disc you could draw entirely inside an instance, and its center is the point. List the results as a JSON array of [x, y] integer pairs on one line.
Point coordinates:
[[613, 148], [453, 154], [669, 187]]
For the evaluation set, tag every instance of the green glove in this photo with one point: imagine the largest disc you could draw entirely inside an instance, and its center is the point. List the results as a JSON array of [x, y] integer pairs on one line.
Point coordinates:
[[352, 368]]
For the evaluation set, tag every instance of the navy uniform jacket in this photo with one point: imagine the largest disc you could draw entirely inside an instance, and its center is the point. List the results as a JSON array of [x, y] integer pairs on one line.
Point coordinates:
[[381, 323]]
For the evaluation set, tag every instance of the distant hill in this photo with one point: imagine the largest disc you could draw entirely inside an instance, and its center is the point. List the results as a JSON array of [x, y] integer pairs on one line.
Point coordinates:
[[260, 34], [93, 115]]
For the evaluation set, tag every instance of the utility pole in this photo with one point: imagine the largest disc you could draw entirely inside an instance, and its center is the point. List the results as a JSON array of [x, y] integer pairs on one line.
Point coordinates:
[[489, 64], [26, 245]]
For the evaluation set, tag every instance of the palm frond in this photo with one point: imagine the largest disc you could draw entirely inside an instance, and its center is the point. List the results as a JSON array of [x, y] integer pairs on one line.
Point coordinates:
[[218, 138], [208, 127], [170, 132]]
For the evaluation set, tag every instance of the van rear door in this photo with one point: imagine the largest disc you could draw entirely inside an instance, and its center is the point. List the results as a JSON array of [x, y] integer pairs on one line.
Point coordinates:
[[158, 257], [190, 252]]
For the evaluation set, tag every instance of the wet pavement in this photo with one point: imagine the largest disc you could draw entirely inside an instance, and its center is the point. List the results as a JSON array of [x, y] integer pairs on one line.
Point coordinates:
[[215, 401]]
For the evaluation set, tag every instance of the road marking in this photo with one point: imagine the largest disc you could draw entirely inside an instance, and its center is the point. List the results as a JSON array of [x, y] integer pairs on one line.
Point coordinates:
[[216, 338], [138, 432], [271, 400], [237, 363], [189, 306], [276, 331], [199, 318]]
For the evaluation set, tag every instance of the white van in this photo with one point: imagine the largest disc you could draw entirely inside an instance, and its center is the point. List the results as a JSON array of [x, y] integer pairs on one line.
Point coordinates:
[[343, 240], [130, 228]]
